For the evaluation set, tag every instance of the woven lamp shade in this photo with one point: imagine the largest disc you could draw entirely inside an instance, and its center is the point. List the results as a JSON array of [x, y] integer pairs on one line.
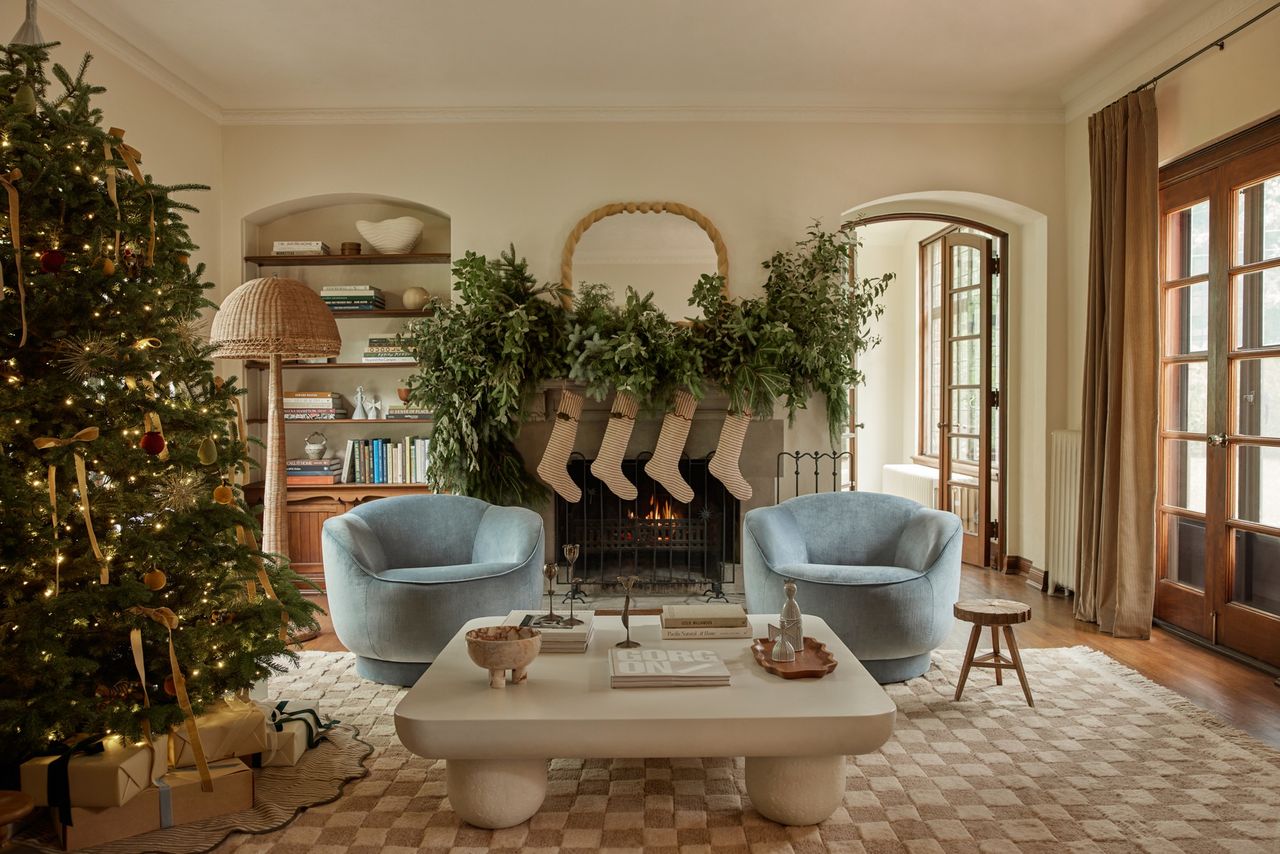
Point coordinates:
[[274, 317]]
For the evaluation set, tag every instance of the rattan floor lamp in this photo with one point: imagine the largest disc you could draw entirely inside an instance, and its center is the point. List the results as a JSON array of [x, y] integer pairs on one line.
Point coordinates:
[[274, 319]]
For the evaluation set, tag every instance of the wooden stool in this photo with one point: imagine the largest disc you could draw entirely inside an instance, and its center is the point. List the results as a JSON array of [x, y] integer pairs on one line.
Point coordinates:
[[14, 806], [994, 613]]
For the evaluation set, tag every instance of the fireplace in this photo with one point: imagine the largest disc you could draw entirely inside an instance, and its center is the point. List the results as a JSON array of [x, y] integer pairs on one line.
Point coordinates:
[[668, 544]]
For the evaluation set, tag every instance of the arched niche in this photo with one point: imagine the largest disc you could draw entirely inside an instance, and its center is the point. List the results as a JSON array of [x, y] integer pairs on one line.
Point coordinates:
[[331, 217]]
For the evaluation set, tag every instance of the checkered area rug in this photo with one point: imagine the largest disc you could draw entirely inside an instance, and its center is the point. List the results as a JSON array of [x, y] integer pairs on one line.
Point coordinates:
[[1106, 761]]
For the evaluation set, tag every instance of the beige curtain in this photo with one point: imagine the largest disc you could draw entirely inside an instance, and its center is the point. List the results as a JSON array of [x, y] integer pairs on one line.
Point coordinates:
[[1115, 576]]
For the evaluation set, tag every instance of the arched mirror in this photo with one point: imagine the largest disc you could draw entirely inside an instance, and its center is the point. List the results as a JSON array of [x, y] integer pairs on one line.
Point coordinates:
[[663, 247]]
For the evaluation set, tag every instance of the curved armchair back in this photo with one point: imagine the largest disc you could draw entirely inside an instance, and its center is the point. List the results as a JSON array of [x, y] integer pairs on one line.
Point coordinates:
[[851, 528], [424, 530]]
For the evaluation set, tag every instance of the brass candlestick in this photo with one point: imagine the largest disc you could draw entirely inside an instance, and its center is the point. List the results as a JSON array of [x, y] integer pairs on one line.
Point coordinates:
[[571, 552], [549, 572], [627, 582]]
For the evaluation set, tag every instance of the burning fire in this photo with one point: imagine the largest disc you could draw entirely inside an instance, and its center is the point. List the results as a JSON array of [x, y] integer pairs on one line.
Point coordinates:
[[660, 509]]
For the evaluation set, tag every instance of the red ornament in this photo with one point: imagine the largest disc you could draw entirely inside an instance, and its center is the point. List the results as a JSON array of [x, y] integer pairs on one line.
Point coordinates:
[[152, 442], [51, 260]]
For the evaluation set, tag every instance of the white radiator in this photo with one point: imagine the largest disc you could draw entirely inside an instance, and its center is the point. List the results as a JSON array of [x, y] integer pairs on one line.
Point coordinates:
[[1064, 509], [919, 483]]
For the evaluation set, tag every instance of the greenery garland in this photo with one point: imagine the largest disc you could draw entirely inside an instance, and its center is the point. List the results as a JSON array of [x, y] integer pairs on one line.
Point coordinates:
[[481, 358]]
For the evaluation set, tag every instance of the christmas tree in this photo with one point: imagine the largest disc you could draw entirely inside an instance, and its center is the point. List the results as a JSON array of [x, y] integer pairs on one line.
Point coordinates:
[[121, 528]]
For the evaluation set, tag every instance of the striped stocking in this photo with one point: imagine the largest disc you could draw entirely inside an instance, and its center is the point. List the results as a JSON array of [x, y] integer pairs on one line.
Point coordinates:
[[607, 465], [664, 467], [553, 467]]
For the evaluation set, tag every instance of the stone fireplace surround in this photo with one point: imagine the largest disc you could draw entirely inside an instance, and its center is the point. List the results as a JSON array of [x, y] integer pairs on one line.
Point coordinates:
[[759, 453]]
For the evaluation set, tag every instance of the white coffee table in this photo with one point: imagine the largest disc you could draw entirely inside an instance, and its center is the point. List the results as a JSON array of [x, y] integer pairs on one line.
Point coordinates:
[[794, 733]]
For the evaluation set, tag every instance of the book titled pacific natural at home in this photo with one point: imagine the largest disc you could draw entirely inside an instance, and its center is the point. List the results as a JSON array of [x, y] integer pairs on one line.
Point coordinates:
[[650, 667]]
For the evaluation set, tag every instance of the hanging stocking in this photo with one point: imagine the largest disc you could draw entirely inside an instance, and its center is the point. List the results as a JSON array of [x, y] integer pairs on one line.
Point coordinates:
[[724, 465], [664, 467], [554, 467], [608, 462]]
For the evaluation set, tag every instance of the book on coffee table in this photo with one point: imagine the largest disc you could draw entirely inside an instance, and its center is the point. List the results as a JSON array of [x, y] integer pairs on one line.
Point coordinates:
[[557, 637], [709, 621], [650, 667]]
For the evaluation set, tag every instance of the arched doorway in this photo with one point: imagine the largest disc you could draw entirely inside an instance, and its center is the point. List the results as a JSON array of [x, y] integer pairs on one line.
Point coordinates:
[[957, 453]]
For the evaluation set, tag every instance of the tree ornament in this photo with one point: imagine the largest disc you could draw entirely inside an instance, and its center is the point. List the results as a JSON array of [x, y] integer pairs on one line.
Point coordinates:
[[155, 579], [223, 494], [25, 99], [725, 463], [664, 466], [86, 356], [555, 459], [152, 442], [108, 267], [207, 453], [183, 259], [177, 491], [51, 260], [607, 465], [169, 687]]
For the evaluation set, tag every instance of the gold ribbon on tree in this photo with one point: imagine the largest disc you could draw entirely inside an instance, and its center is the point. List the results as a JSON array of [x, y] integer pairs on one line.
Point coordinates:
[[15, 237], [218, 383], [130, 156], [88, 434], [168, 619], [248, 540]]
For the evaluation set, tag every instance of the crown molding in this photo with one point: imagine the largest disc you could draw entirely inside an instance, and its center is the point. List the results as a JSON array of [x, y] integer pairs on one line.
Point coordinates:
[[1092, 92], [559, 114], [101, 35]]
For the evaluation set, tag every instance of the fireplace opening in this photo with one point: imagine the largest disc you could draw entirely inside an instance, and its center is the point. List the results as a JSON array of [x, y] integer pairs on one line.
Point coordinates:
[[670, 545]]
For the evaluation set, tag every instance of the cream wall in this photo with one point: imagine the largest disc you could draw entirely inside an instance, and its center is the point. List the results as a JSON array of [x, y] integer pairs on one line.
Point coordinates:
[[761, 184], [1210, 98], [179, 144]]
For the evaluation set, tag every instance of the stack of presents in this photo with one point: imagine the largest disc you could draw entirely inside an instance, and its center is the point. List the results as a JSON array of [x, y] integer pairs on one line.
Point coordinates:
[[103, 789]]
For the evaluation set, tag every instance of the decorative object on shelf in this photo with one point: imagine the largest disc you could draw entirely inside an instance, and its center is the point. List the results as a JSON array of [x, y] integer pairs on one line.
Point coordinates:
[[549, 572], [627, 582], [359, 412], [403, 394], [350, 247], [664, 465], [371, 408], [274, 318], [414, 298], [811, 661], [502, 648], [571, 552], [554, 465], [725, 463], [391, 236], [315, 445]]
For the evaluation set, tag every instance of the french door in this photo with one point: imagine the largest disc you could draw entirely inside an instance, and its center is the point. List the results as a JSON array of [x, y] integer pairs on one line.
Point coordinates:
[[965, 404], [1219, 500]]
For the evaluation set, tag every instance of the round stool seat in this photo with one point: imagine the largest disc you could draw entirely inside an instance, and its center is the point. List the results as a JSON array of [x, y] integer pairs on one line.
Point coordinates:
[[992, 612]]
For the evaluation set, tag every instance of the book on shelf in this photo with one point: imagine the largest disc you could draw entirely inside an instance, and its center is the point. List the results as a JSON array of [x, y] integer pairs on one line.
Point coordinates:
[[314, 414], [299, 247], [311, 396], [355, 305], [708, 633], [386, 461], [379, 359], [310, 479], [654, 667], [310, 360], [407, 414], [703, 616], [332, 464], [343, 290], [557, 637]]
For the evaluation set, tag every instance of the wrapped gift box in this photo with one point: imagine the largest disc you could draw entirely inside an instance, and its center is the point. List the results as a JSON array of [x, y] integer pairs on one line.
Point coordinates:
[[293, 726], [229, 730], [175, 800], [107, 779]]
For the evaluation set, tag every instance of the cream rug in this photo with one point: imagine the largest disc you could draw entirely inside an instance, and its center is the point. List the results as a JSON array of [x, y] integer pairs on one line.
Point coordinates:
[[1107, 761]]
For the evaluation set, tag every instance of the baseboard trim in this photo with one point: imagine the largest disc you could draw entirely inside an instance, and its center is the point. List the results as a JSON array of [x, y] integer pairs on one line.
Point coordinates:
[[1018, 565], [1192, 637]]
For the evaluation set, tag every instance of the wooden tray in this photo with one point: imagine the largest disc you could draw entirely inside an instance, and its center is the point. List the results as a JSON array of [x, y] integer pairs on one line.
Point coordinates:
[[812, 662]]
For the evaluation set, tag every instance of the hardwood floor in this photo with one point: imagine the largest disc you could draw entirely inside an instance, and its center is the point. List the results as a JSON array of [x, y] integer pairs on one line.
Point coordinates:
[[1245, 697]]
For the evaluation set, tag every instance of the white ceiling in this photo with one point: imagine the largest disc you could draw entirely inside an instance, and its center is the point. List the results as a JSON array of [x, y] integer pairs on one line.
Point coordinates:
[[241, 57]]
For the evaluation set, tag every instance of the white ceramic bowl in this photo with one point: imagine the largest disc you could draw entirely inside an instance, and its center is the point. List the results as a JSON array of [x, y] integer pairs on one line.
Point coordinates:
[[391, 236]]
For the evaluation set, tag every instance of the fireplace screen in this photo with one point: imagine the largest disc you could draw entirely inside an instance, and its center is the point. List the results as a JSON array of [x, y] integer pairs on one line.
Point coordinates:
[[668, 544]]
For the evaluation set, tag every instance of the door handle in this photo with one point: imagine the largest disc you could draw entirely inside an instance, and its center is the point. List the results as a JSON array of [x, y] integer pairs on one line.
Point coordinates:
[[1218, 440]]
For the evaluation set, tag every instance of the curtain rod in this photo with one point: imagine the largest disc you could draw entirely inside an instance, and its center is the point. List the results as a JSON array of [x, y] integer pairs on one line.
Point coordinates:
[[1220, 43]]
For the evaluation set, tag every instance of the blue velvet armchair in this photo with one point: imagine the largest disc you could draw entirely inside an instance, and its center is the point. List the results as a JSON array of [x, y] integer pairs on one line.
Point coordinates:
[[883, 572], [403, 574]]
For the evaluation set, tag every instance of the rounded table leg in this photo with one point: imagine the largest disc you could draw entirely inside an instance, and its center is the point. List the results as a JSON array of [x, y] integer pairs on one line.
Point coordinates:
[[494, 793], [796, 790]]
